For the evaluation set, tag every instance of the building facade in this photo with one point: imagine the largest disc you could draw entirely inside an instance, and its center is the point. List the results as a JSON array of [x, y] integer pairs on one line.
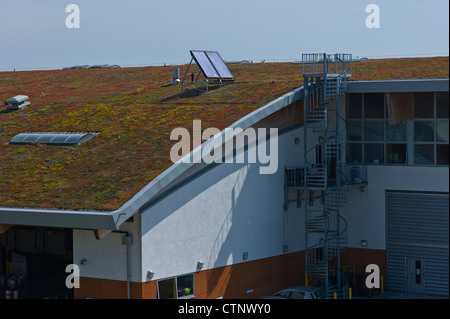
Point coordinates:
[[223, 230]]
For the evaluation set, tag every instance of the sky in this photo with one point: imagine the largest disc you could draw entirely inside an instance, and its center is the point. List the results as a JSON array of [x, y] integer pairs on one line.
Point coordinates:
[[34, 35]]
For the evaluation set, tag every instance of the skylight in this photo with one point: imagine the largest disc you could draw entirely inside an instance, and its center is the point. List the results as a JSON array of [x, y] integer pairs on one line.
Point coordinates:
[[51, 138]]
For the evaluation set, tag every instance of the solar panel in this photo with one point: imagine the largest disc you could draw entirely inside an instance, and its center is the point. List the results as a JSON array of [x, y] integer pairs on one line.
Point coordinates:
[[212, 65], [205, 64], [220, 66], [51, 138]]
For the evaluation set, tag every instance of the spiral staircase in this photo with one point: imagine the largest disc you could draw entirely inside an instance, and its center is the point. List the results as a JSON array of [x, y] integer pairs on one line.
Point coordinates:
[[324, 78]]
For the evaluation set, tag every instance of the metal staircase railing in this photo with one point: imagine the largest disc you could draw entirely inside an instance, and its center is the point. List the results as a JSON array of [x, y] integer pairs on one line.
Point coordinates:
[[324, 81]]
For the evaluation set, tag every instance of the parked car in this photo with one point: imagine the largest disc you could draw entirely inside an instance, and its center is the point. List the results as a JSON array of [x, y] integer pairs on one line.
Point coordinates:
[[298, 292]]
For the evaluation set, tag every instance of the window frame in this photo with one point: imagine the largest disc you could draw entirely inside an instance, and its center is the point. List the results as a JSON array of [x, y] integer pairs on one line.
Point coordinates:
[[410, 142], [175, 280]]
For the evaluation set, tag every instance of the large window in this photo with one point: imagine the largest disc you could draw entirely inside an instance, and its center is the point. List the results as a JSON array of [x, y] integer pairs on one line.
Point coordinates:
[[398, 128], [176, 288]]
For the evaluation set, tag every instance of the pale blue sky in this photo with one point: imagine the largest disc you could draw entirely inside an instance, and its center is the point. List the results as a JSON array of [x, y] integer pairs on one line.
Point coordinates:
[[33, 33]]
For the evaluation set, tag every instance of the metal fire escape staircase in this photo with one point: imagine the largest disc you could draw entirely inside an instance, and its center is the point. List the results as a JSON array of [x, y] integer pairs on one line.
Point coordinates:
[[325, 229]]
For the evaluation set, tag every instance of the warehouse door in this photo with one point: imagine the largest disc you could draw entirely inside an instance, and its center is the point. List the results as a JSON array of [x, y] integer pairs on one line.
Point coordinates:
[[417, 242]]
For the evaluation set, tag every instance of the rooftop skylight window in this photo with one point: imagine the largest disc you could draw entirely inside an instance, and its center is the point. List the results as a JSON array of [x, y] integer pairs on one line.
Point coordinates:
[[66, 139]]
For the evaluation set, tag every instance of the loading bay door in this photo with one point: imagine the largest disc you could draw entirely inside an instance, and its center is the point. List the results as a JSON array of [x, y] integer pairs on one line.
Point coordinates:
[[417, 242]]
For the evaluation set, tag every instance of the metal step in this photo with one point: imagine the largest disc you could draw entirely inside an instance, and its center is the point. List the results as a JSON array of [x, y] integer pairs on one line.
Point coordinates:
[[317, 221], [317, 178]]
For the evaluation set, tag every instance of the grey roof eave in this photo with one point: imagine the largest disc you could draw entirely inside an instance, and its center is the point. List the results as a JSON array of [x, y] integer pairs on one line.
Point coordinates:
[[58, 218]]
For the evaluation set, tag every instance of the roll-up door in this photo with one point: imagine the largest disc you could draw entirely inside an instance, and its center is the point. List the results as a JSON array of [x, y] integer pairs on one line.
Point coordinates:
[[417, 242]]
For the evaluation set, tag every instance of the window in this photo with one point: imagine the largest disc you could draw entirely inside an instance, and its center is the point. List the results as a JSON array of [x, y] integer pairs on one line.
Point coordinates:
[[431, 128], [423, 105], [180, 287], [354, 153], [374, 153], [442, 105], [354, 130], [355, 101], [396, 153], [373, 105], [396, 132], [366, 128], [442, 130], [374, 130], [397, 128], [442, 154]]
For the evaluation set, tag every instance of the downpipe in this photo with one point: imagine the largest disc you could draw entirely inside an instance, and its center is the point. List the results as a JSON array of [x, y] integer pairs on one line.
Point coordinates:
[[127, 240]]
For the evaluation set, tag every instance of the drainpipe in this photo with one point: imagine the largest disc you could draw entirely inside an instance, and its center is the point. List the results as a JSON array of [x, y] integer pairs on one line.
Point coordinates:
[[127, 240]]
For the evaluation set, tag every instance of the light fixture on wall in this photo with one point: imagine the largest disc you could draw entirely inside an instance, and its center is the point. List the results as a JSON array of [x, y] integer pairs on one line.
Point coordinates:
[[364, 243], [200, 264], [83, 261], [245, 255], [296, 140], [150, 274]]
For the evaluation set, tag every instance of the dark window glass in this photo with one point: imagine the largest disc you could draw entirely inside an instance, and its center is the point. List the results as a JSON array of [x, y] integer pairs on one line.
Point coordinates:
[[424, 105], [442, 154], [354, 153], [423, 131], [396, 153], [166, 289], [185, 285], [374, 153], [442, 105], [442, 130], [396, 133], [373, 130], [354, 130], [374, 105], [424, 154], [354, 106]]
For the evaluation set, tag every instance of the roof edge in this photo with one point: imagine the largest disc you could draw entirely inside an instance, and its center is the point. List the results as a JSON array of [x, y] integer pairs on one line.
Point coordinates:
[[398, 85], [59, 218]]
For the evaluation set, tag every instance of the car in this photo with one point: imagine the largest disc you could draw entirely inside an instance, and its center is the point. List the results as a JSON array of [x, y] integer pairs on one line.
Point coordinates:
[[298, 292]]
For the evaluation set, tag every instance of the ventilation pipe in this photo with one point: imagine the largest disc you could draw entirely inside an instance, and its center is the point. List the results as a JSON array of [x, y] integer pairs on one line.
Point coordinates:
[[175, 76]]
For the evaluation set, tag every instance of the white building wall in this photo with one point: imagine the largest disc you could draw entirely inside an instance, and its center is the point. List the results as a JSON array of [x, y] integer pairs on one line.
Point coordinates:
[[106, 258], [225, 212], [366, 211]]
